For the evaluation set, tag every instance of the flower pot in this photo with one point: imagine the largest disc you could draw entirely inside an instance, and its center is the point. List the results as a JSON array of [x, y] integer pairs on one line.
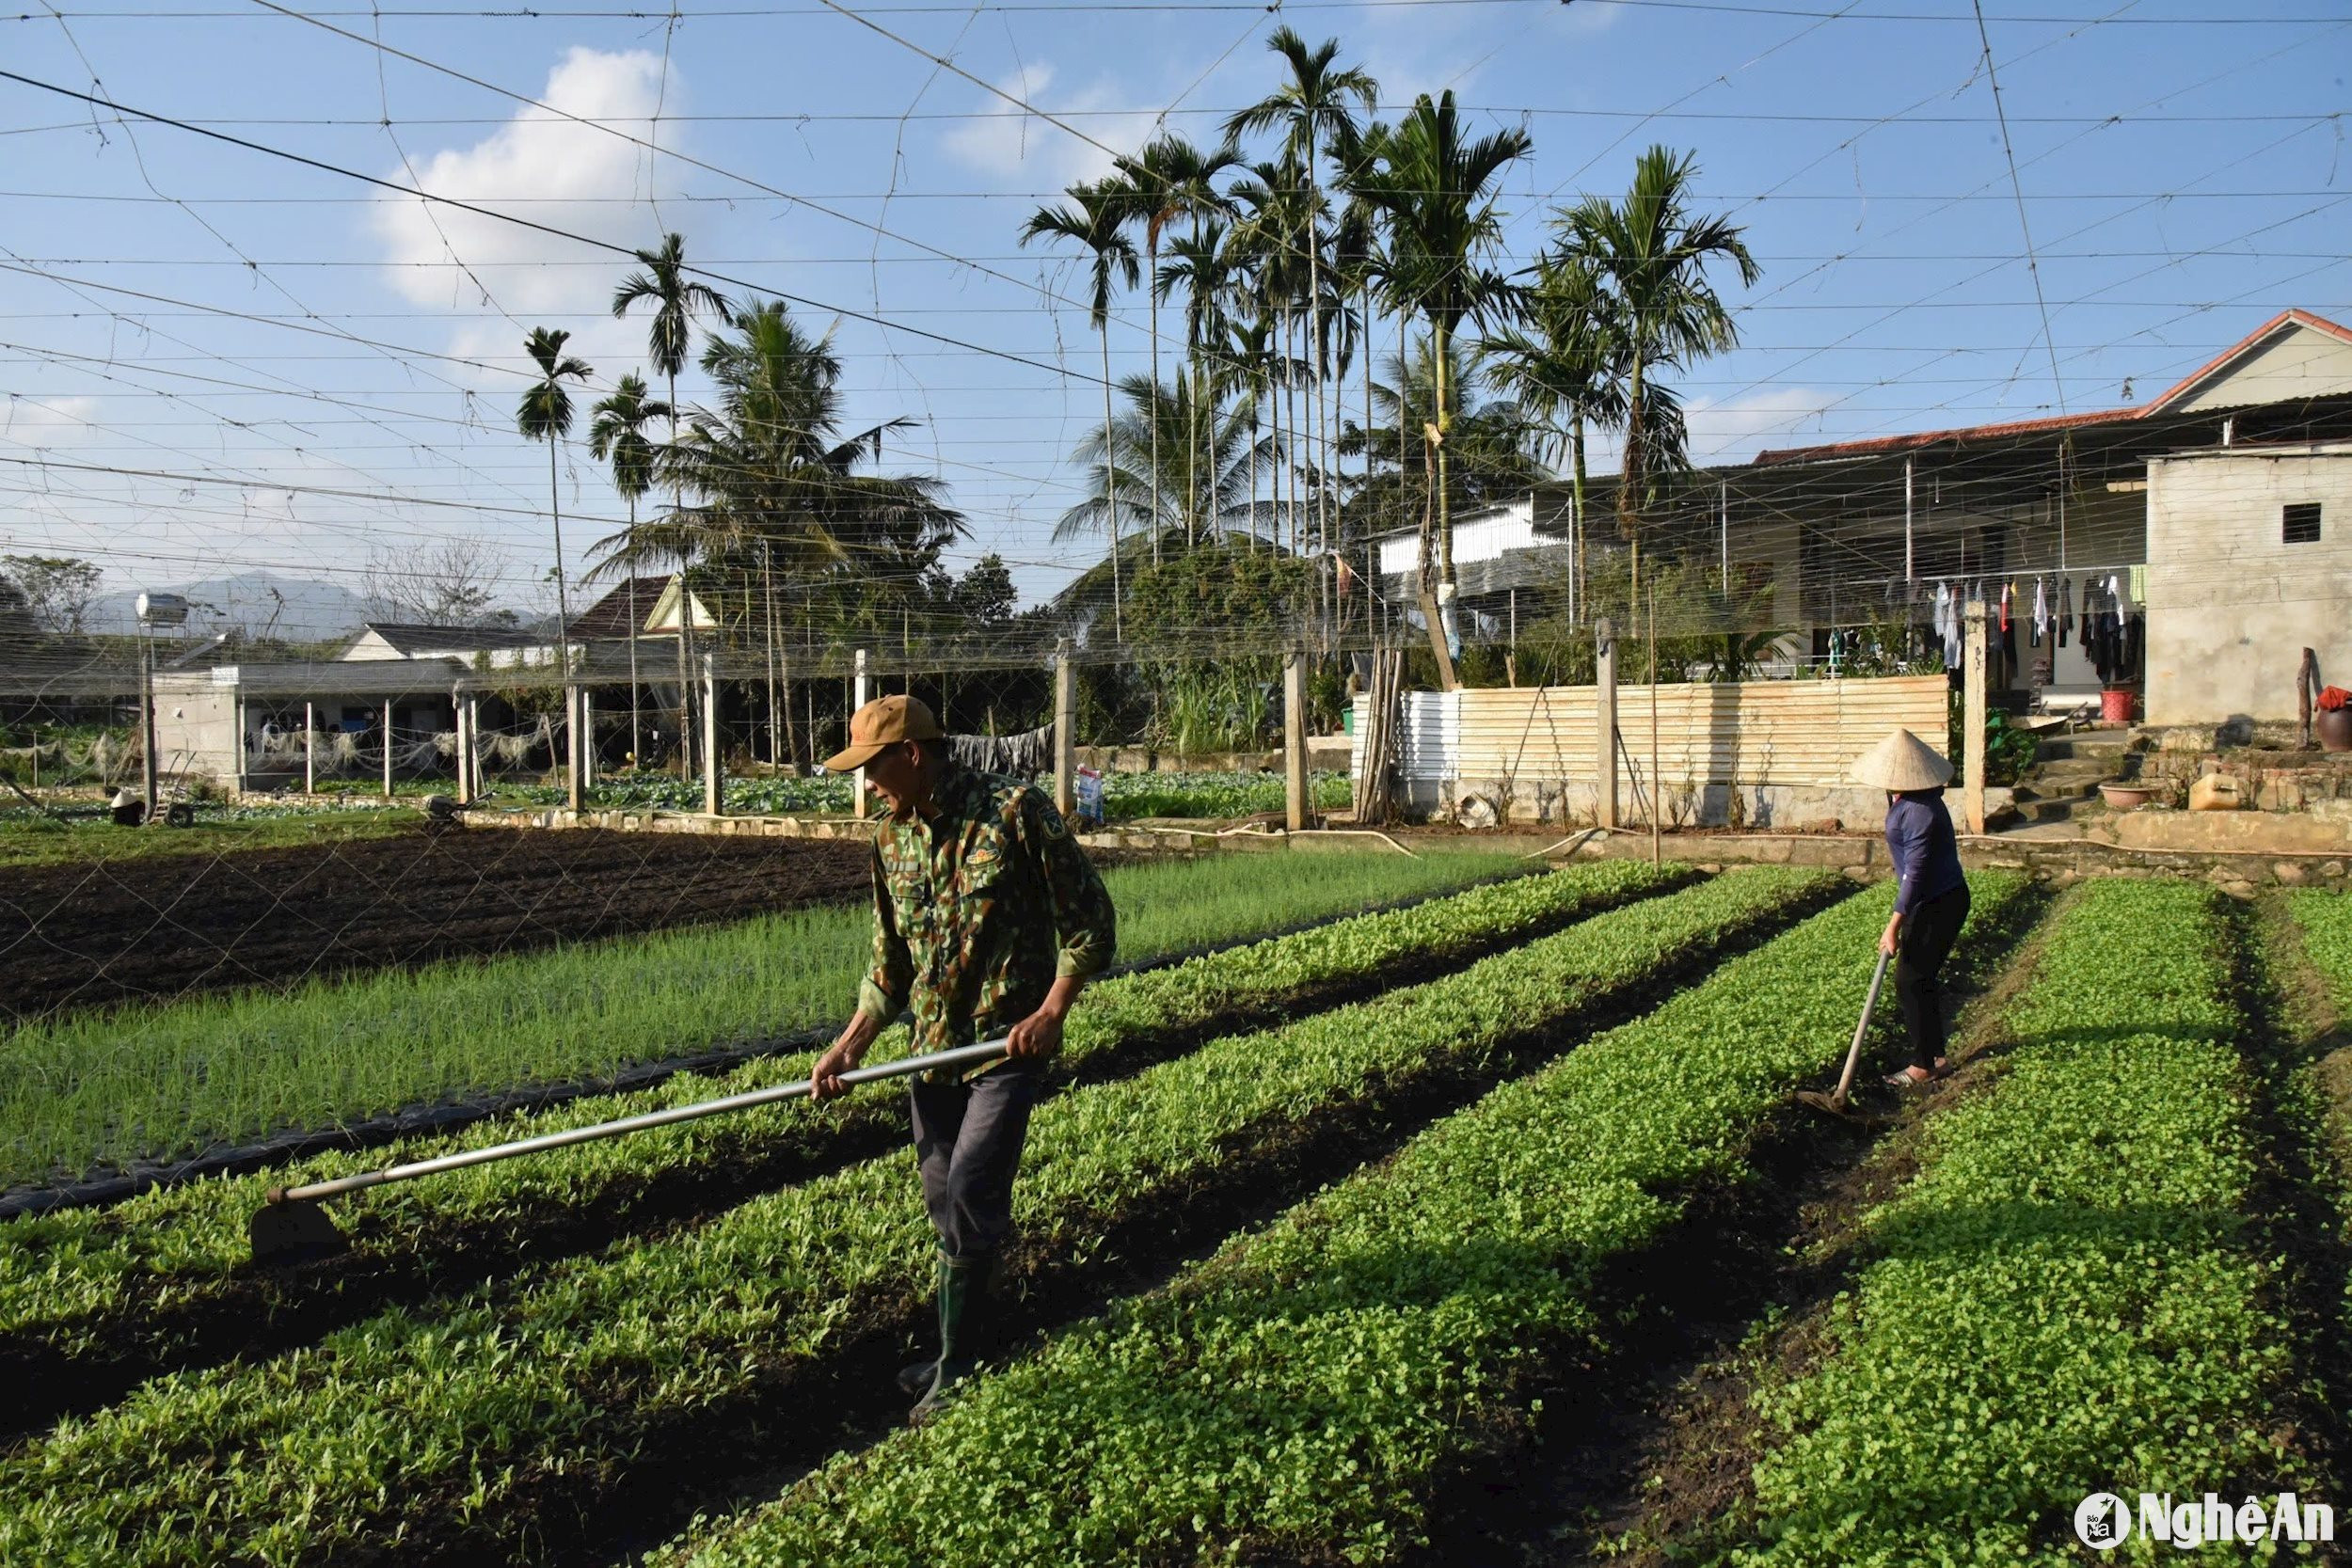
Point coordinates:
[[2125, 797], [2333, 729]]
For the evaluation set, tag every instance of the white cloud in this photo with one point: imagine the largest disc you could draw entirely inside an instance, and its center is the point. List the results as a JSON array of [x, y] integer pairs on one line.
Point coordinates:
[[1005, 141], [551, 170], [1734, 429], [47, 423]]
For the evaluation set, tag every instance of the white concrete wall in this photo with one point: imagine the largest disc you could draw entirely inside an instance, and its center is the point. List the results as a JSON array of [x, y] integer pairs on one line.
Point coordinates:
[[195, 726], [2304, 363], [2231, 606]]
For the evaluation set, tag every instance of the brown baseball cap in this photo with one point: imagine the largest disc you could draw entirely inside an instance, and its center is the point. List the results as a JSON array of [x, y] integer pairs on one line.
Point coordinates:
[[884, 721]]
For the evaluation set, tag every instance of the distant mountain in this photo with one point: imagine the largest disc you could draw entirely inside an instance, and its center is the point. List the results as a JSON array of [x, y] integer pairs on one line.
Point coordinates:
[[260, 603]]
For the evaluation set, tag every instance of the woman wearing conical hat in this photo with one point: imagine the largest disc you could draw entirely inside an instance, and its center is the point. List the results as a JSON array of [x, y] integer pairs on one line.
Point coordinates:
[[1930, 892]]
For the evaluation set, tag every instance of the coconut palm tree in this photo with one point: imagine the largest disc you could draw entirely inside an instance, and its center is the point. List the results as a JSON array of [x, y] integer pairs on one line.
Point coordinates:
[[1311, 110], [677, 300], [545, 413], [616, 435], [1649, 254], [1191, 415], [1170, 178], [777, 488], [1433, 189], [1094, 220]]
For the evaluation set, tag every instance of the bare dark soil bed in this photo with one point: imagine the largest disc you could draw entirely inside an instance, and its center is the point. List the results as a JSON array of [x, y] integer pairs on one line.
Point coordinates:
[[75, 936]]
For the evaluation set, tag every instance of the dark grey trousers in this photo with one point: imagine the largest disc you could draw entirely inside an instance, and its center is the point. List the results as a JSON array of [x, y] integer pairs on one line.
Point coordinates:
[[968, 1138], [1926, 941]]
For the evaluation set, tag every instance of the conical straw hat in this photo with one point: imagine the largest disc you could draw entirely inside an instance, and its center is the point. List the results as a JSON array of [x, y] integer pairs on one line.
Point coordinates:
[[1902, 761]]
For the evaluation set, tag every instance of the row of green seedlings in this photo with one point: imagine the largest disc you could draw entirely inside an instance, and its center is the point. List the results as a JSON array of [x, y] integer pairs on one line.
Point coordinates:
[[507, 1413], [1304, 1393], [129, 1284], [2071, 1297], [174, 1080], [2321, 1091]]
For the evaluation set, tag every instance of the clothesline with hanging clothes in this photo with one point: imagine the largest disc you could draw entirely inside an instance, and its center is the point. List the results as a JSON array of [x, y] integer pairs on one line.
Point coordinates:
[[2112, 620]]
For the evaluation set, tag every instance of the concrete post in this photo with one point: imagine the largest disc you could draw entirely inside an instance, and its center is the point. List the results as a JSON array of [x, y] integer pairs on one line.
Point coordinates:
[[573, 751], [469, 750], [244, 754], [714, 786], [309, 747], [1605, 723], [1972, 695], [1296, 804], [861, 693], [587, 737], [1065, 731], [388, 747]]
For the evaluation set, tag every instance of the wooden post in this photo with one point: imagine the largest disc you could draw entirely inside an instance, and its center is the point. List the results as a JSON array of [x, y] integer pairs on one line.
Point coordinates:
[[309, 747], [1065, 731], [1973, 696], [1296, 803], [714, 786], [861, 693], [1605, 723], [388, 747], [1656, 785]]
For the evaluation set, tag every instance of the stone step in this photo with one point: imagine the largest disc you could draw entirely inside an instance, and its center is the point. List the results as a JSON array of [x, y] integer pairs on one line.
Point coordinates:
[[2095, 743]]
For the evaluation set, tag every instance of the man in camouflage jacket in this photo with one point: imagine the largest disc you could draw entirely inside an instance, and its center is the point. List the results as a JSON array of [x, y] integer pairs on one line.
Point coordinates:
[[988, 920]]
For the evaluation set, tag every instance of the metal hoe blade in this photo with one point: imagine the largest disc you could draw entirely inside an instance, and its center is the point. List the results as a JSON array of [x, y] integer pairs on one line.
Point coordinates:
[[1837, 1104], [289, 1232]]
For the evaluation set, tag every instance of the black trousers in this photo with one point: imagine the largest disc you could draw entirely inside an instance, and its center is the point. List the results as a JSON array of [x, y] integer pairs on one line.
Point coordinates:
[[1928, 932], [968, 1139]]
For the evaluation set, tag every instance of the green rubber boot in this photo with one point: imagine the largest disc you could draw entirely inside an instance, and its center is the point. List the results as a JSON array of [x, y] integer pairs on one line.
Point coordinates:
[[963, 1324]]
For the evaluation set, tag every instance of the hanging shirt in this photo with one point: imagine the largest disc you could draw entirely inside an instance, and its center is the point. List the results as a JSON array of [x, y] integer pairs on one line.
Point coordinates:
[[2065, 610], [2041, 610]]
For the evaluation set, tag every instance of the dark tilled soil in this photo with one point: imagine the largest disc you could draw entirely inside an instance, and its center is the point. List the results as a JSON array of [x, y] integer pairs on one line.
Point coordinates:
[[94, 933]]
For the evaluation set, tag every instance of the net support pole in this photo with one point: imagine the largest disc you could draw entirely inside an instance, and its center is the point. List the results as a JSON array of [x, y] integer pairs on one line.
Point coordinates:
[[571, 748], [1294, 800], [309, 747], [714, 786], [244, 753], [388, 747], [1065, 731], [1605, 723], [585, 712], [1972, 774], [861, 693]]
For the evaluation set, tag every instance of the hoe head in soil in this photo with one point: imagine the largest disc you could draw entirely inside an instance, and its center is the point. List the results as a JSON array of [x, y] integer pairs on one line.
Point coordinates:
[[1839, 1102], [292, 1229], [287, 1233]]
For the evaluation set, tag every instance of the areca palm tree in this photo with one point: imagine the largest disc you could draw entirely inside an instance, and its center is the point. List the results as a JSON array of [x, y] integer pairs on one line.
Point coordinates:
[[616, 435], [1311, 112], [677, 300], [1649, 254], [1094, 218], [1170, 178], [1433, 189], [1560, 365], [545, 413]]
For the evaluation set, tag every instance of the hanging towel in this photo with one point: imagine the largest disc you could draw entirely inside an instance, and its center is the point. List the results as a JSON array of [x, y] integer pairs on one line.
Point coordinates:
[[2040, 610]]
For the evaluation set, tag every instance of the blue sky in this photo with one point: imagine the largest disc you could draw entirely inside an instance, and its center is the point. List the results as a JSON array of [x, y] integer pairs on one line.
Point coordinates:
[[2181, 164]]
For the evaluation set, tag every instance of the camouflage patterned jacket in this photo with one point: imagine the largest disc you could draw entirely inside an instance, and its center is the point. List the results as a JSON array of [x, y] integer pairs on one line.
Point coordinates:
[[978, 910]]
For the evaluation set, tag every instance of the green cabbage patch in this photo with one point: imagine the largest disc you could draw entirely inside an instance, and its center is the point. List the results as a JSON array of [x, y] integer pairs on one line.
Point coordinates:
[[440, 1421], [1301, 1392], [2067, 1298]]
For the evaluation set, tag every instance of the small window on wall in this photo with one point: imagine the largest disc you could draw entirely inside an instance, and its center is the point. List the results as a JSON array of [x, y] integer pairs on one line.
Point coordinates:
[[2301, 523]]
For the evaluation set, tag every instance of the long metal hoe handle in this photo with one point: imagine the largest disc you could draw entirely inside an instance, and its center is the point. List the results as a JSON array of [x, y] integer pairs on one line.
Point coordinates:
[[1870, 1006], [967, 1055]]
